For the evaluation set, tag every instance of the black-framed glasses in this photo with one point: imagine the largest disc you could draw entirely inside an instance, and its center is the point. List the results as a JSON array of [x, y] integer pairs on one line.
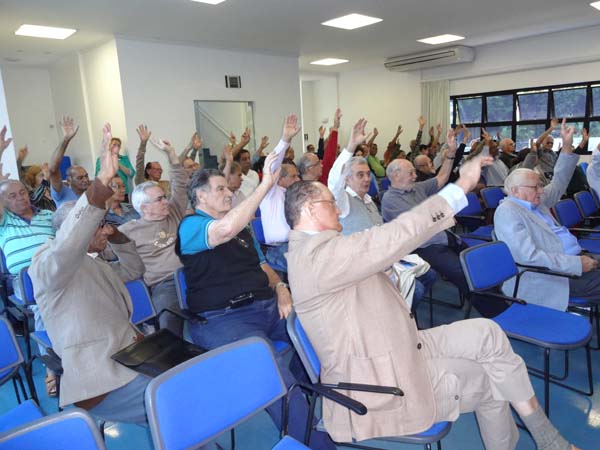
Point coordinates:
[[537, 186]]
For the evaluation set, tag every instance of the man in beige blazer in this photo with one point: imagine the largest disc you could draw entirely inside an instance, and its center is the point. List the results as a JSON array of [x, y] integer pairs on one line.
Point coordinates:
[[363, 331], [86, 306]]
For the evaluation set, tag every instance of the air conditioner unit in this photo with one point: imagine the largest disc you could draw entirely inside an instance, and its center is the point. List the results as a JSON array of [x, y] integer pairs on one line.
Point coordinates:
[[433, 58]]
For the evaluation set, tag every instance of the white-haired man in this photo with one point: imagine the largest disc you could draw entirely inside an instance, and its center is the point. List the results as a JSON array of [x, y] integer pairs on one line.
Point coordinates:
[[523, 220]]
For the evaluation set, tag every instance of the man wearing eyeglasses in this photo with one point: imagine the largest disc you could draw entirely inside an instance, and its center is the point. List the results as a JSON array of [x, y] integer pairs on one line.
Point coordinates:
[[524, 221], [155, 234]]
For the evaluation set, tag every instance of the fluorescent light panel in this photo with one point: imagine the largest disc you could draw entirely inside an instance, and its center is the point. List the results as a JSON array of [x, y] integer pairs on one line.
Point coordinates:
[[329, 62], [441, 39], [352, 21], [595, 5], [40, 31], [210, 2]]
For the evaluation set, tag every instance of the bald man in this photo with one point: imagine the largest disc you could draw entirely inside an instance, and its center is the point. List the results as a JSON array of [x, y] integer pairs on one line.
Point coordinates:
[[425, 168], [507, 152]]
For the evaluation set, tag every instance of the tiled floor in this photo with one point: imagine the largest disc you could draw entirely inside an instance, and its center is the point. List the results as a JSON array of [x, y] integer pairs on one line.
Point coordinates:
[[576, 416]]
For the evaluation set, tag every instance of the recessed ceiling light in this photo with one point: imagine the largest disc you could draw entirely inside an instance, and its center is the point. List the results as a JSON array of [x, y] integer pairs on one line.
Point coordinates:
[[329, 62], [441, 39], [595, 5], [44, 32], [352, 21], [210, 2]]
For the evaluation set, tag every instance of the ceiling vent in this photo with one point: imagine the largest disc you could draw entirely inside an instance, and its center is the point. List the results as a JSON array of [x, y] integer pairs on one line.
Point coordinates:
[[233, 81], [434, 58]]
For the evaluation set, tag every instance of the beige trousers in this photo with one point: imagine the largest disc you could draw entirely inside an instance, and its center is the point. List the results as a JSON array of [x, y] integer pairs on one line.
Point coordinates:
[[473, 368]]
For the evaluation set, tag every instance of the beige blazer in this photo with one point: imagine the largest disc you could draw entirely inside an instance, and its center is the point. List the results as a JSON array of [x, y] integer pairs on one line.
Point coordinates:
[[359, 324], [85, 305]]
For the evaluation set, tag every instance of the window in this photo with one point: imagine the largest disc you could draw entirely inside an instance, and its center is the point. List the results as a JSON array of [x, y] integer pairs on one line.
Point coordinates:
[[524, 114]]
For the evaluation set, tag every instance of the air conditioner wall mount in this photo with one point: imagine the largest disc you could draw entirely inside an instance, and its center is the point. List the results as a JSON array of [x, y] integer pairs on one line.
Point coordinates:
[[434, 58]]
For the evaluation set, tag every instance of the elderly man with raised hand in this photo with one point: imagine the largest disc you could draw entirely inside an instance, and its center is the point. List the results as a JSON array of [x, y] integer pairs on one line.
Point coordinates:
[[507, 152], [545, 143], [155, 234], [151, 171], [272, 213], [86, 306], [364, 333], [405, 193], [524, 221], [230, 284], [77, 176]]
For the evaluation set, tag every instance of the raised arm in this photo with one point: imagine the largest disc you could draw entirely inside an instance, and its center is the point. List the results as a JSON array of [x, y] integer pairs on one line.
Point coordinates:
[[321, 145], [331, 147], [177, 176], [140, 157], [447, 164], [4, 143], [69, 129], [260, 151], [563, 171], [540, 140], [244, 139], [195, 144]]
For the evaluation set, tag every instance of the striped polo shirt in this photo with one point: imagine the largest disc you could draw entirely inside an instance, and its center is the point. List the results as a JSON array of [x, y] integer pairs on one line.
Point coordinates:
[[20, 239]]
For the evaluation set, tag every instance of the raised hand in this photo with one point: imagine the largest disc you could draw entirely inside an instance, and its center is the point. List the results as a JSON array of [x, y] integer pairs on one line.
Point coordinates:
[[232, 139], [358, 135], [431, 131], [466, 135], [67, 124], [321, 132], [486, 136], [245, 138], [109, 157], [45, 171], [337, 117], [375, 132], [451, 143], [3, 176], [228, 153], [291, 128], [584, 135], [196, 141], [4, 142], [400, 130], [422, 122], [470, 172], [23, 152], [143, 133], [553, 123], [270, 178], [264, 142], [438, 128], [567, 136]]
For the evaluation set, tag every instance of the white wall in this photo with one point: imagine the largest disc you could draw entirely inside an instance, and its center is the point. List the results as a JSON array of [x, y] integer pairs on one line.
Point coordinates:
[[31, 111], [9, 164], [386, 99], [161, 81]]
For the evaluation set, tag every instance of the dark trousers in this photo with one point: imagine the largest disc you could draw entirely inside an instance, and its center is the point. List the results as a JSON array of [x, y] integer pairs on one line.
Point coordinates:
[[444, 260], [587, 286]]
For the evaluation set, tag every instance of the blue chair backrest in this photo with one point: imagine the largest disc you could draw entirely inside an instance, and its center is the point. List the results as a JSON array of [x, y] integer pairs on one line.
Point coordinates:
[[373, 189], [586, 203], [567, 213], [28, 411], [198, 400], [257, 212], [303, 347], [488, 265], [3, 267], [584, 166], [68, 430], [10, 352], [180, 288], [492, 196], [257, 228], [385, 184], [143, 308], [596, 199], [473, 208], [26, 287]]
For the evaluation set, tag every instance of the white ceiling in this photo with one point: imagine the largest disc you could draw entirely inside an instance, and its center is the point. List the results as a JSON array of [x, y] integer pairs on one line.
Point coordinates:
[[291, 27]]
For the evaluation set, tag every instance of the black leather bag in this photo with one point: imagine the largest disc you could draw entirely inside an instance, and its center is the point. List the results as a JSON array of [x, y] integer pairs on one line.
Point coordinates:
[[157, 353]]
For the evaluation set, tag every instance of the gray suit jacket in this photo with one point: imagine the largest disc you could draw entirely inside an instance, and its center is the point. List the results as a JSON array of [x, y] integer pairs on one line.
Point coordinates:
[[532, 241], [85, 305]]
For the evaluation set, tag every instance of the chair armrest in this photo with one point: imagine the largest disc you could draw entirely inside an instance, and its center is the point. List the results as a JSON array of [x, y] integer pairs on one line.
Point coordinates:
[[334, 396], [393, 390], [585, 230], [545, 270], [185, 315], [475, 236], [497, 296], [467, 216]]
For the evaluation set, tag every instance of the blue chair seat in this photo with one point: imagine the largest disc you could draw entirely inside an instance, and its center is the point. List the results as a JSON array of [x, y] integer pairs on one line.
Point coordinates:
[[484, 231], [435, 433], [281, 346], [544, 326], [288, 443], [591, 245], [576, 301], [25, 412]]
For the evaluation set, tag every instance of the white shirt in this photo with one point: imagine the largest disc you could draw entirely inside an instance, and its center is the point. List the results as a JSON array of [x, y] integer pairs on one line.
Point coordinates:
[[250, 182]]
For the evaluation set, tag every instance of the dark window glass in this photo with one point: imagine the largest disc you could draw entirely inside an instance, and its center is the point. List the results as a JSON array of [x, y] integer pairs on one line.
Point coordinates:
[[569, 102], [469, 110], [532, 106], [505, 131], [527, 132], [594, 141], [596, 100], [500, 108]]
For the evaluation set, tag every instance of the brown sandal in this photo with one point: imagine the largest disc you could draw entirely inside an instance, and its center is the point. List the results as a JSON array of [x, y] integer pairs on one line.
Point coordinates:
[[51, 388]]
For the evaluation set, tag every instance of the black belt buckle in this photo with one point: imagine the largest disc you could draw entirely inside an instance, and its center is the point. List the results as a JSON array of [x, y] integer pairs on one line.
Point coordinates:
[[241, 300]]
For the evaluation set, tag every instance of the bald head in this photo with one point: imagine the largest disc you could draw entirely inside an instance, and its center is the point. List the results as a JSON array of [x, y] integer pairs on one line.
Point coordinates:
[[401, 173], [423, 164], [507, 145], [78, 179]]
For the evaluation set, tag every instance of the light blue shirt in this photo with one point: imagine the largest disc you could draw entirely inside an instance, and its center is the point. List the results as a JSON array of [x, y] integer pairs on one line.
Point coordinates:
[[569, 242]]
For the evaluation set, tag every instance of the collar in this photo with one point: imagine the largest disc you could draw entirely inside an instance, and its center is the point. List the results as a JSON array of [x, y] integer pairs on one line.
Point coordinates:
[[201, 213], [33, 208], [405, 190], [366, 200], [524, 203]]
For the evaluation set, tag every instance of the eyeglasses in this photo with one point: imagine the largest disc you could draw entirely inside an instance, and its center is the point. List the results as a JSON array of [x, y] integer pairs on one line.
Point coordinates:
[[537, 186], [314, 165], [158, 199]]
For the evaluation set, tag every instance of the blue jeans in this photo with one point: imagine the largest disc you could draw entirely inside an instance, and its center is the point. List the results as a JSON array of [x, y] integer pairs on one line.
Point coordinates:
[[261, 318], [422, 285], [164, 296], [276, 256]]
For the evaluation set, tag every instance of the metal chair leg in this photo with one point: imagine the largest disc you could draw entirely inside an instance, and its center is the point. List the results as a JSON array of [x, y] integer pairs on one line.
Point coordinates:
[[547, 382]]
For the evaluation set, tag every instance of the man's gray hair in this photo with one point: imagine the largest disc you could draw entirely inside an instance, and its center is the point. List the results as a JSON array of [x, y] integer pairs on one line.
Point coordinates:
[[201, 182], [517, 178], [139, 196], [392, 167], [296, 196], [354, 161], [304, 163], [61, 214], [505, 142], [5, 183], [285, 169]]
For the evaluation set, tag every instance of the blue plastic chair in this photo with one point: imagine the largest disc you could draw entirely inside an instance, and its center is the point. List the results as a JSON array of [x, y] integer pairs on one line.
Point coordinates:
[[69, 430], [200, 399], [19, 307], [311, 363], [472, 218], [385, 184], [11, 361], [568, 215], [487, 267], [492, 196], [259, 234], [180, 288], [584, 166], [143, 308], [586, 204], [27, 411]]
